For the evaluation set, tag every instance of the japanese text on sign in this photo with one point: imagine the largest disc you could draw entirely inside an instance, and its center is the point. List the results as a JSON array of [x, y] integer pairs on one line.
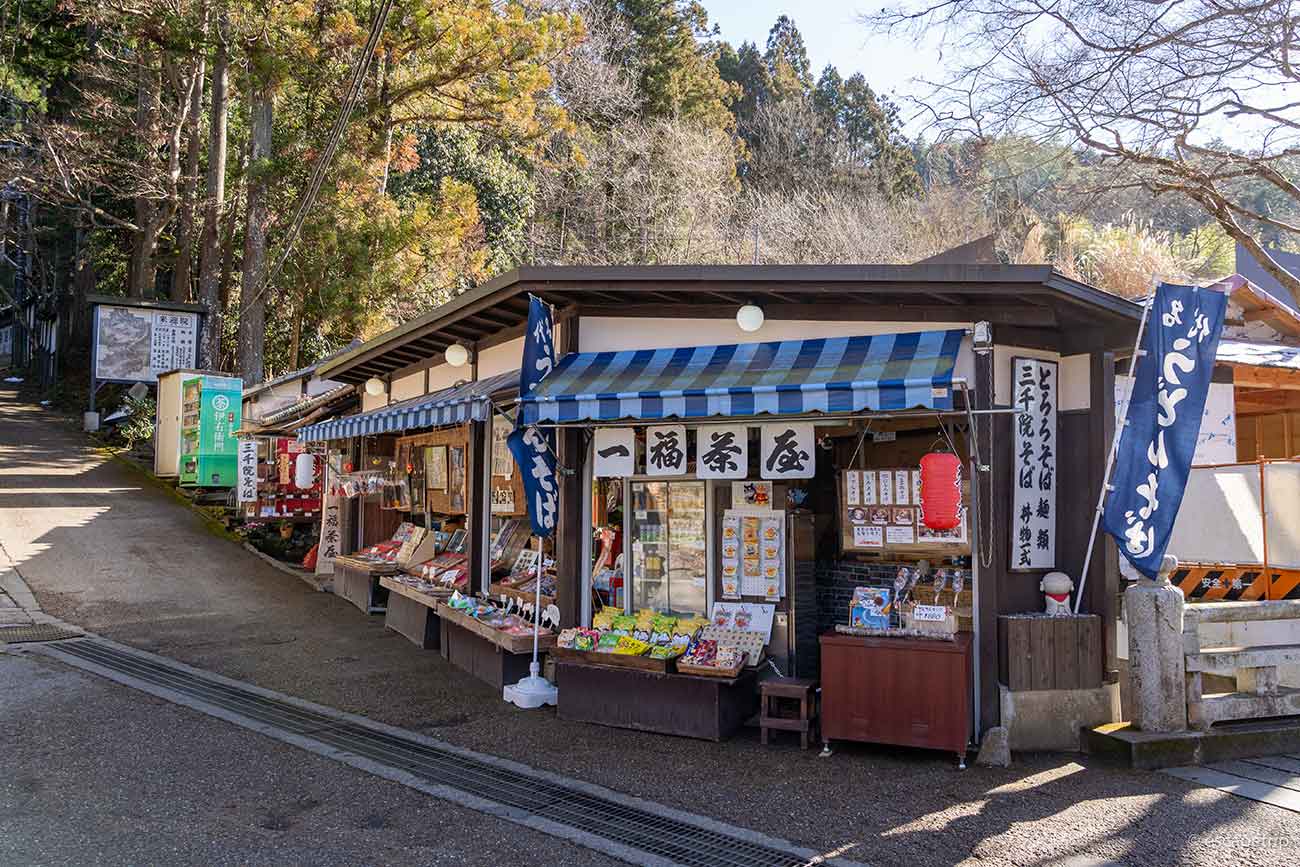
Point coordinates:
[[789, 451], [247, 471], [1033, 534], [722, 452]]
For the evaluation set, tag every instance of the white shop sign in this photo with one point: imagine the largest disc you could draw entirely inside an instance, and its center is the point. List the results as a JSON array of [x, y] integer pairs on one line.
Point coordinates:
[[1033, 476], [615, 452], [665, 450], [246, 472], [722, 452], [789, 451]]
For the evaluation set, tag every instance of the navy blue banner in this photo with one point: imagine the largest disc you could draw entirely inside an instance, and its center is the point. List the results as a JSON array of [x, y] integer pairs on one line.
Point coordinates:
[[1164, 419], [533, 449]]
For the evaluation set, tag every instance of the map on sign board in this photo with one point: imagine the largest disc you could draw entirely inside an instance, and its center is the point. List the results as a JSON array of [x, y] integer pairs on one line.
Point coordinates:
[[135, 345]]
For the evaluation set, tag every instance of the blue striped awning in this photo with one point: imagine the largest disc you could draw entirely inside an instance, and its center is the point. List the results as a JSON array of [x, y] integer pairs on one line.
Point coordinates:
[[468, 401], [787, 377]]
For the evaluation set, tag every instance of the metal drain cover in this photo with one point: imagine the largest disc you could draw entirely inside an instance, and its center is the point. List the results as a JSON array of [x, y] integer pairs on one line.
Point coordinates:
[[36, 632]]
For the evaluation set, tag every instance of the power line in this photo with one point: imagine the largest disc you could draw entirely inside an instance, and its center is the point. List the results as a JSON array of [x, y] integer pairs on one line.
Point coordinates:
[[359, 72]]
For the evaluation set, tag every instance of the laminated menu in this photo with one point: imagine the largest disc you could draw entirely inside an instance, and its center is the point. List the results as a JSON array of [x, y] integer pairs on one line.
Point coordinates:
[[730, 556], [753, 554]]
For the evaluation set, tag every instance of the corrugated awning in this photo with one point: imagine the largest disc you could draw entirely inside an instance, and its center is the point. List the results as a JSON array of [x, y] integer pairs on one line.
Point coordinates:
[[468, 401], [788, 377]]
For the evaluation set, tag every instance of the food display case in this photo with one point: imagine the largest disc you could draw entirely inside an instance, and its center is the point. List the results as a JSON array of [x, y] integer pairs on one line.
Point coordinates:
[[667, 529]]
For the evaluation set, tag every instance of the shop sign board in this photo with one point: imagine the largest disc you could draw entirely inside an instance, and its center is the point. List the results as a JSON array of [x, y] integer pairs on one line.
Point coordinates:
[[1033, 528], [722, 452], [665, 450], [133, 344], [246, 474], [789, 450], [615, 449]]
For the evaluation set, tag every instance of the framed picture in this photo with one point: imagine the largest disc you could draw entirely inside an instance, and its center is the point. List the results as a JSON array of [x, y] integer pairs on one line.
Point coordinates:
[[435, 467]]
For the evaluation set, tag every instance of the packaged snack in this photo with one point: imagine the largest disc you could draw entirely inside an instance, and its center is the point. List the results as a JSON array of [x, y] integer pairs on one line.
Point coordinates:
[[586, 639], [567, 639], [623, 624], [608, 642], [666, 651], [627, 646]]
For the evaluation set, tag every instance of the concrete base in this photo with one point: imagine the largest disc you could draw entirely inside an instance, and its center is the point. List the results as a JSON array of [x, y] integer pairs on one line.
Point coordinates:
[[1154, 750], [1051, 719], [90, 422]]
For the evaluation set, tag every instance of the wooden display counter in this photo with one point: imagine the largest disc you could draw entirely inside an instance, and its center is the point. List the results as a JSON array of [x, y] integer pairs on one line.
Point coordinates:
[[489, 654], [358, 582], [912, 692], [412, 614], [711, 708]]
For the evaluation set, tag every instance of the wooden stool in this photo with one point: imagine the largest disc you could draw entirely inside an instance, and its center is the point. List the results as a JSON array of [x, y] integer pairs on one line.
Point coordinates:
[[775, 690]]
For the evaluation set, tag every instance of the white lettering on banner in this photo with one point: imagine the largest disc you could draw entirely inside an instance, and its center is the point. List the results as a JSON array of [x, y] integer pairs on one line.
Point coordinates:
[[722, 452], [546, 501], [247, 472], [1140, 539], [1033, 539], [615, 450], [789, 451], [665, 450]]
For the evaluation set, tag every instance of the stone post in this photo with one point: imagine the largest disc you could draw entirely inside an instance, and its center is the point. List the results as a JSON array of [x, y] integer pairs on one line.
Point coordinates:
[[1153, 611]]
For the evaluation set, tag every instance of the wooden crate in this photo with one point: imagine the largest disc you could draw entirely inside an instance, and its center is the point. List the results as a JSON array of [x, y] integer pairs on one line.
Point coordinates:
[[614, 660], [1037, 652]]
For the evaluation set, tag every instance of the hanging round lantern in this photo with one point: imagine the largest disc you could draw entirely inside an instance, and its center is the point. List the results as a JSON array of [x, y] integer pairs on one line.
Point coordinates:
[[941, 490], [304, 470]]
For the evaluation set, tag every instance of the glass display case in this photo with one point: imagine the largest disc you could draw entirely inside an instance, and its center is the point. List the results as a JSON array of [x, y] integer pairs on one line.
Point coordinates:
[[667, 534]]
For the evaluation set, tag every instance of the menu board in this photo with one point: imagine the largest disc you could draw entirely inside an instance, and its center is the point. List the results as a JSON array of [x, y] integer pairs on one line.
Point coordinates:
[[881, 512]]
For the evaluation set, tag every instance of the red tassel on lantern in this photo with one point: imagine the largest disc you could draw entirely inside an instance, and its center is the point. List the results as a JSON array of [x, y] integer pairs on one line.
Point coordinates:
[[941, 490]]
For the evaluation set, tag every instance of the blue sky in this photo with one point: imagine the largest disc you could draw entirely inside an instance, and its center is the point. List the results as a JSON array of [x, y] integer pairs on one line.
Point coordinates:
[[833, 35]]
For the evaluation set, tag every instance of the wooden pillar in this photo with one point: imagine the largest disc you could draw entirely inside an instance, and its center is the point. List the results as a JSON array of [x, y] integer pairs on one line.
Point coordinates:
[[1102, 596], [569, 529], [993, 505], [476, 504]]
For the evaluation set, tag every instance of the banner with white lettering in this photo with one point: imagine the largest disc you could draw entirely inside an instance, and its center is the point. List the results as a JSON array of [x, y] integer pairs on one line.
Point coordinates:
[[246, 472], [534, 450], [665, 450], [1156, 448], [722, 452], [788, 450], [615, 449], [1033, 504]]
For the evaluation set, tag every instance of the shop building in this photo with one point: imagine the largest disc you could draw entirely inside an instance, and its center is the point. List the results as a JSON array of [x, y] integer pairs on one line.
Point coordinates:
[[858, 372]]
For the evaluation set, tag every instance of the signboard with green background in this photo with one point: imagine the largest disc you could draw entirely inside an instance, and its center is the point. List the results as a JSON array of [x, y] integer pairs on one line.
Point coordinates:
[[210, 415]]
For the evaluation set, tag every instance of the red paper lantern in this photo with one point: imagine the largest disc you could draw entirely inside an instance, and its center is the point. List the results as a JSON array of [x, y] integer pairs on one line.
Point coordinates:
[[941, 490]]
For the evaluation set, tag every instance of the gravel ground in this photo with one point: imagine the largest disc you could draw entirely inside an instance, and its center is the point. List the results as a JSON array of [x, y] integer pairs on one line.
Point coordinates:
[[102, 548], [94, 772]]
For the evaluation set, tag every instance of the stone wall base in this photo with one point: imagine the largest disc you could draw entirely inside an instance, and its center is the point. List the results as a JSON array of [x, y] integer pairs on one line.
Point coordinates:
[[1052, 719]]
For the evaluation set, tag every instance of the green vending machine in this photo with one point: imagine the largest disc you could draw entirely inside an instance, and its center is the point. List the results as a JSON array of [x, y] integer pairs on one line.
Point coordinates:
[[210, 415]]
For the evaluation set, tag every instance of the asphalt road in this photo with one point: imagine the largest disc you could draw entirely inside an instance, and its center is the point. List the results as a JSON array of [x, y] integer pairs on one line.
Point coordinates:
[[97, 773], [103, 548]]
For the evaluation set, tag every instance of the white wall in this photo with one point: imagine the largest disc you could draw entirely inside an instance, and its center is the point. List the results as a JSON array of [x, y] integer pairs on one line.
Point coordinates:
[[407, 387], [445, 376], [369, 402], [502, 358], [1073, 387]]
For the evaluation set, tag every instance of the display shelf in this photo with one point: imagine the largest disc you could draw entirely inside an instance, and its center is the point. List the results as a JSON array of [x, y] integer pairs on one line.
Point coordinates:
[[615, 660], [509, 643], [429, 600], [498, 589]]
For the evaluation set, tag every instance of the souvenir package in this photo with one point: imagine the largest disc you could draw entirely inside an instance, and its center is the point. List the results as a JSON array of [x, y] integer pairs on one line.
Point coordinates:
[[628, 646], [604, 618], [608, 642], [702, 652], [667, 651], [869, 607]]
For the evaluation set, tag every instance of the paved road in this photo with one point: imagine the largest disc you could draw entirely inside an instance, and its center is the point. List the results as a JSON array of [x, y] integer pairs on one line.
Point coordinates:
[[102, 548], [97, 773]]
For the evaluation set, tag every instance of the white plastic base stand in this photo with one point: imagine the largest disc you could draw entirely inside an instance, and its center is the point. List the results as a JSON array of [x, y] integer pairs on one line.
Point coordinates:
[[533, 691], [90, 422]]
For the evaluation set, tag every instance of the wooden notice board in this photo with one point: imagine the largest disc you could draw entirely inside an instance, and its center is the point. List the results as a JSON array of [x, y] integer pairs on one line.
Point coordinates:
[[453, 500]]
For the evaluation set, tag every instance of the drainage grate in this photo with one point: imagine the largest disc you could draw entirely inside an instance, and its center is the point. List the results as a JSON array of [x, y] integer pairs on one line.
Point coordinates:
[[664, 836], [36, 632]]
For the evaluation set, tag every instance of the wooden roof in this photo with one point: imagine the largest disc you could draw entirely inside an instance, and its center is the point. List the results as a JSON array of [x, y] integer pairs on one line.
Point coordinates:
[[1033, 299]]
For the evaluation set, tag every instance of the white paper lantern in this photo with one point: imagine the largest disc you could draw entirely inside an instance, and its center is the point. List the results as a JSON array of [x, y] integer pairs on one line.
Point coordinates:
[[456, 355], [750, 317], [304, 470], [374, 386]]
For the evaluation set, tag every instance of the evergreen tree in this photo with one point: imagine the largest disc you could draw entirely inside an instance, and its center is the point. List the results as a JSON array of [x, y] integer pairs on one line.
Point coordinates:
[[787, 60], [747, 71]]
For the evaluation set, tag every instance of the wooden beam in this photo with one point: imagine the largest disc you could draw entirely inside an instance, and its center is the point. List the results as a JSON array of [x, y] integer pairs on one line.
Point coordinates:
[[1251, 376], [1020, 315], [1253, 401]]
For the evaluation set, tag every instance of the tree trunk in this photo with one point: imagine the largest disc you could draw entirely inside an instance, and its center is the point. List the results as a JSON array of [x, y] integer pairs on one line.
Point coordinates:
[[252, 294], [143, 269], [190, 184], [213, 203]]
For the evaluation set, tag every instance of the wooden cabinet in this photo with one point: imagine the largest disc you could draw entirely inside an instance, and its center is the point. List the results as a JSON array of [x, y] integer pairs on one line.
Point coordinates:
[[912, 692]]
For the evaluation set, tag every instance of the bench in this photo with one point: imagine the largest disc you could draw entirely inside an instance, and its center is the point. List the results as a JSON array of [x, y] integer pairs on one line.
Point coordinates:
[[1258, 694]]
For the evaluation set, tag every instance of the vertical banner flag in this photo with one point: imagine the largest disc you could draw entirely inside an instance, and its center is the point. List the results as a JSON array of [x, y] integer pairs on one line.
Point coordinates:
[[1170, 387], [534, 450]]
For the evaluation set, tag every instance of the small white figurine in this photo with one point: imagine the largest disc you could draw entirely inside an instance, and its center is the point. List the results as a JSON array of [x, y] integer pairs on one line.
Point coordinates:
[[1056, 587]]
